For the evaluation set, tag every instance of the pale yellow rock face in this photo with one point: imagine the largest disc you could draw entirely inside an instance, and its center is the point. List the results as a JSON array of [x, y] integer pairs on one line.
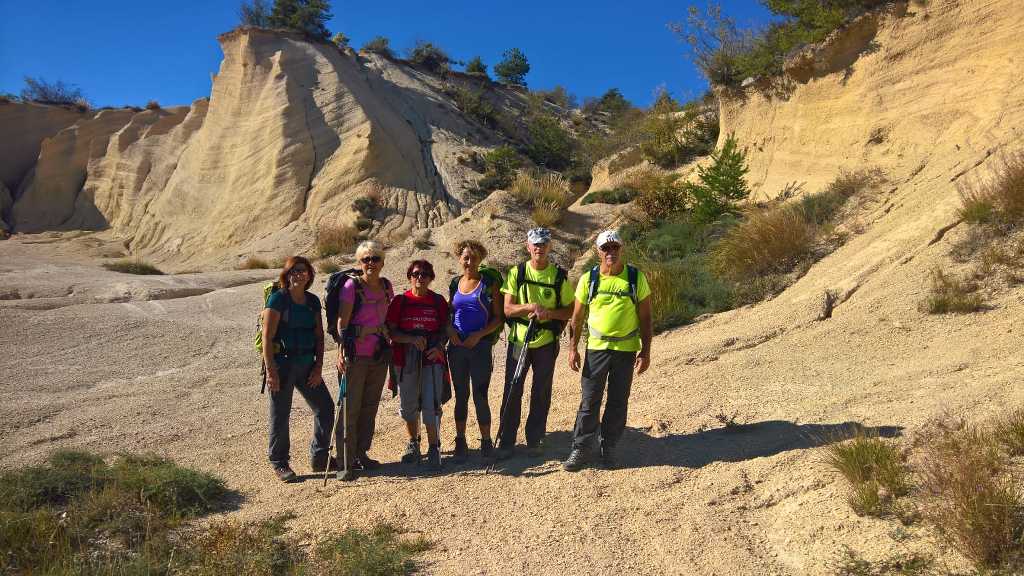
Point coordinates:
[[23, 127], [292, 134]]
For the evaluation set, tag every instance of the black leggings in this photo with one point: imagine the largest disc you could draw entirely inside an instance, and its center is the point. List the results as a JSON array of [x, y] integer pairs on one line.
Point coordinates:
[[471, 365]]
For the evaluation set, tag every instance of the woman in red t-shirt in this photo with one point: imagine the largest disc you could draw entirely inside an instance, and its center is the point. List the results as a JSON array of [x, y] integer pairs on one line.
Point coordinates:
[[417, 321]]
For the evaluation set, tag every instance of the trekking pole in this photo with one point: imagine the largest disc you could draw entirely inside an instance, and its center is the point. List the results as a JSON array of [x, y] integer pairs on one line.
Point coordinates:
[[342, 415], [518, 375]]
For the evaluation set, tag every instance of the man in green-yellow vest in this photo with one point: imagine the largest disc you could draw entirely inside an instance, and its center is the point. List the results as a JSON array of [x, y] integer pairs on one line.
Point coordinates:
[[617, 298]]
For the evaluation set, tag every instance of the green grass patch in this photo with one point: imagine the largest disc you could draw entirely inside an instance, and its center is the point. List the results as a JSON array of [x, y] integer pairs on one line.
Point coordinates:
[[133, 267], [77, 514]]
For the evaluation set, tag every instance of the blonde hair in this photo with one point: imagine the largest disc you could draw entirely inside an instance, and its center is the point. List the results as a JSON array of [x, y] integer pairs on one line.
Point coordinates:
[[369, 248]]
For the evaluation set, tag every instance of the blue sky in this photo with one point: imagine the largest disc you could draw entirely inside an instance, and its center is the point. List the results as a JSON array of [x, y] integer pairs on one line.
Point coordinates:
[[120, 52]]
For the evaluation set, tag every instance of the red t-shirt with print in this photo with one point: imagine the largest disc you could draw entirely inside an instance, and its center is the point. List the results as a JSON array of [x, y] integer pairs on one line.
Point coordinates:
[[419, 314]]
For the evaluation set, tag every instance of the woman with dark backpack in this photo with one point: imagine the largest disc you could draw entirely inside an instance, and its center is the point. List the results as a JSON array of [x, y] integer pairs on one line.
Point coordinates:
[[418, 321], [364, 353], [293, 355], [476, 318]]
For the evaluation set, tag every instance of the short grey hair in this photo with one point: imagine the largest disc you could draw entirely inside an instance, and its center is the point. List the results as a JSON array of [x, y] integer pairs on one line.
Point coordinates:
[[369, 248]]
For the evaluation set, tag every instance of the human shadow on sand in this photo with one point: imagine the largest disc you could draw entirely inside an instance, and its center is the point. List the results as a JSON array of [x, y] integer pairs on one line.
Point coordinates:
[[735, 443]]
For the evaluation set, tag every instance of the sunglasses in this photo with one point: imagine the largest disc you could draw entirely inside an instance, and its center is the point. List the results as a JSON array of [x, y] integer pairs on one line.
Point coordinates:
[[373, 259], [297, 271], [420, 274], [610, 248]]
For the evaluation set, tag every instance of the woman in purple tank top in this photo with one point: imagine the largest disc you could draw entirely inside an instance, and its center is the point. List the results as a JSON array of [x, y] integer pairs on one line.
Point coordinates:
[[476, 314]]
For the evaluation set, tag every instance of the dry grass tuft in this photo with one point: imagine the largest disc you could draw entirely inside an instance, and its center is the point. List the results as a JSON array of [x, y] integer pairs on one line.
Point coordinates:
[[969, 495], [1001, 198], [335, 239], [327, 266], [254, 263], [548, 195], [139, 267], [1009, 432], [950, 294], [546, 213], [772, 240]]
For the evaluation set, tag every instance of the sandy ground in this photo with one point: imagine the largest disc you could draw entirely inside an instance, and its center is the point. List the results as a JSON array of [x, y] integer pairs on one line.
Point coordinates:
[[178, 377]]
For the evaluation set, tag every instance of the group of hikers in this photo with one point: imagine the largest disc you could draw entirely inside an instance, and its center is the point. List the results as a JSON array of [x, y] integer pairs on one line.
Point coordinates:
[[429, 345]]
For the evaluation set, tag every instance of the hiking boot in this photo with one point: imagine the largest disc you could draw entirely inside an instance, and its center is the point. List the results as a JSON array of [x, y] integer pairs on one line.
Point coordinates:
[[486, 448], [367, 463], [461, 450], [503, 452], [285, 473], [535, 450], [576, 461], [323, 464], [412, 452], [348, 475], [434, 458], [608, 459]]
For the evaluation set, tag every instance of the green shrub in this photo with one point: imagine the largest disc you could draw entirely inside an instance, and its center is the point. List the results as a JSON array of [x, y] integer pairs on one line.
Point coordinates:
[[558, 96], [474, 104], [661, 196], [500, 165], [365, 205], [307, 17], [340, 40], [549, 144], [476, 67], [898, 564], [611, 104], [428, 56], [379, 45], [614, 196], [722, 183], [513, 67], [375, 551], [681, 290], [152, 105], [133, 267], [950, 294]]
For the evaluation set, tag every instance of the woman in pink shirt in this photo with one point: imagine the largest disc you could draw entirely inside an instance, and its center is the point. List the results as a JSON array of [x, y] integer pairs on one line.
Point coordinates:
[[365, 354]]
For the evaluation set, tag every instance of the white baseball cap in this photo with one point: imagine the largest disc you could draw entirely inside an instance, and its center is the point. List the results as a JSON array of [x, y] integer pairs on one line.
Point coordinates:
[[608, 236]]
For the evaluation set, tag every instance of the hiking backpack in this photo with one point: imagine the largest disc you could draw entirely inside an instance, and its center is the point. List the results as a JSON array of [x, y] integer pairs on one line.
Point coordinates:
[[632, 276], [332, 306], [489, 277], [555, 326], [268, 290]]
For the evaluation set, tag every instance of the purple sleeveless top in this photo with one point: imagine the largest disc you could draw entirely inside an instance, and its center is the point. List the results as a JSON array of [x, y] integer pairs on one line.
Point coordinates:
[[470, 314]]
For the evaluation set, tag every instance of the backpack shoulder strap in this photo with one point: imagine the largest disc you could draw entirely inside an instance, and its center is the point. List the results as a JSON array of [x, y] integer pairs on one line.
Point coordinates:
[[592, 283], [633, 277], [521, 280], [560, 277]]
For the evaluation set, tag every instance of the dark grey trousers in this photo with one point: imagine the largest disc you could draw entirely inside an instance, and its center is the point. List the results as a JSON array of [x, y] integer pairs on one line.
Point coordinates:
[[293, 377], [542, 360], [600, 366], [472, 366]]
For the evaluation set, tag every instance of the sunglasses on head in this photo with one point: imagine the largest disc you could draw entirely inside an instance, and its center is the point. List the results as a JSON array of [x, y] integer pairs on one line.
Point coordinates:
[[420, 274], [610, 248], [373, 259]]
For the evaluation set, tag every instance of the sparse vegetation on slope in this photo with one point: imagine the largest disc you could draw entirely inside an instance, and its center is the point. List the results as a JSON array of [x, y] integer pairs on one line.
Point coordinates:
[[956, 476], [57, 93], [547, 194], [951, 294], [513, 67], [378, 45], [334, 239], [727, 54], [998, 200]]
